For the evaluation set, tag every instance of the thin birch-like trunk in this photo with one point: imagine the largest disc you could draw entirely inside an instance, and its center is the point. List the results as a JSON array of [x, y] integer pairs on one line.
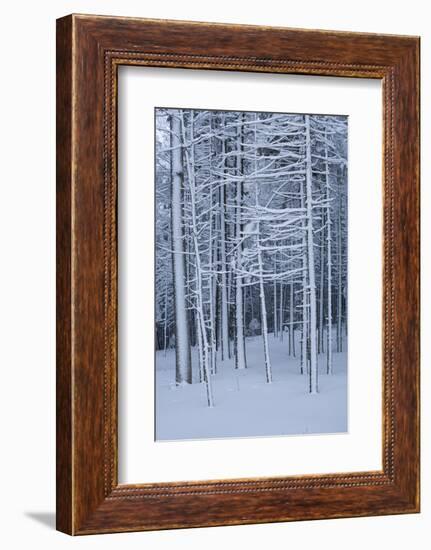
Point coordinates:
[[211, 299], [197, 255], [291, 323], [224, 287], [240, 357], [275, 299], [329, 267], [212, 261], [339, 285], [304, 324], [200, 350], [268, 368], [165, 324], [310, 257], [321, 290], [280, 313], [264, 318]]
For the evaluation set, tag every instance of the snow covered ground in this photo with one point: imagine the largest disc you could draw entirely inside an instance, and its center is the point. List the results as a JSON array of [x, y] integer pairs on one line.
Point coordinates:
[[245, 405]]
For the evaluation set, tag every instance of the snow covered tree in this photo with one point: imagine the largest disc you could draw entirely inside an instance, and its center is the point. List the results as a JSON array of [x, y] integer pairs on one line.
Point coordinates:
[[182, 343], [251, 242]]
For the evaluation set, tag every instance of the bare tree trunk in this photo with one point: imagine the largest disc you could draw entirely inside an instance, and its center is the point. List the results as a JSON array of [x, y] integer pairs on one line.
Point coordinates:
[[329, 268], [200, 350], [321, 290], [212, 251], [268, 368], [213, 346], [165, 319], [183, 370], [264, 316], [280, 314], [310, 258], [240, 357], [275, 299], [291, 323], [304, 323], [339, 285], [197, 255], [225, 351]]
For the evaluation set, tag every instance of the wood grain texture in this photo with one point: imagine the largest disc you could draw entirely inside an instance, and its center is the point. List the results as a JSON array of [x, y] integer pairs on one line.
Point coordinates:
[[90, 49], [64, 496]]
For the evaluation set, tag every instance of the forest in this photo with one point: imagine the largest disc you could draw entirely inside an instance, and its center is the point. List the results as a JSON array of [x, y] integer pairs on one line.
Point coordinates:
[[250, 270]]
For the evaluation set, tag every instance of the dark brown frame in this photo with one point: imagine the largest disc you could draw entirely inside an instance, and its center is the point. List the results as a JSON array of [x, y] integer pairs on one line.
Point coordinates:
[[89, 51]]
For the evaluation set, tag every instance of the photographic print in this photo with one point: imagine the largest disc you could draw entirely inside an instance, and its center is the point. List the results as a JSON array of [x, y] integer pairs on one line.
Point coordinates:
[[250, 274]]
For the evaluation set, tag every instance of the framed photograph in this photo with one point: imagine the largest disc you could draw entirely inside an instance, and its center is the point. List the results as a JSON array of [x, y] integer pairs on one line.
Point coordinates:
[[237, 274]]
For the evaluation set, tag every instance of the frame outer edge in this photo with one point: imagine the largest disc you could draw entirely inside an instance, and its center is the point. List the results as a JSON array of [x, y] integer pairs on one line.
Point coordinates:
[[407, 279], [64, 301], [81, 508]]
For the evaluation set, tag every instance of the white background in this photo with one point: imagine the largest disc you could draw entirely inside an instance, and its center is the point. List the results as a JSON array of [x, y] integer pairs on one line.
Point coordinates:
[[27, 230], [141, 458]]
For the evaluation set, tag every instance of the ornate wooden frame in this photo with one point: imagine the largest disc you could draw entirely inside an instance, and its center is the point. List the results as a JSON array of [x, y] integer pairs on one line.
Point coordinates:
[[89, 51]]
